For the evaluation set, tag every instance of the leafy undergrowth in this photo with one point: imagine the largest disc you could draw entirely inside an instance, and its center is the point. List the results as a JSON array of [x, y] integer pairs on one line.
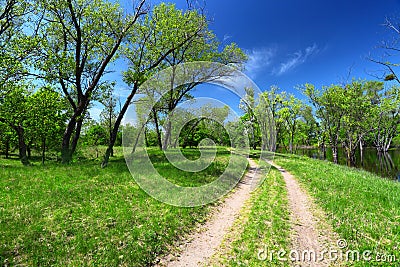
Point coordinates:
[[363, 208], [261, 229], [82, 215]]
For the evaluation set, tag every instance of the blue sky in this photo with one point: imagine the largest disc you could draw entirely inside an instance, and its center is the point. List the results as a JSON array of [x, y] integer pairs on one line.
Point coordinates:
[[291, 42]]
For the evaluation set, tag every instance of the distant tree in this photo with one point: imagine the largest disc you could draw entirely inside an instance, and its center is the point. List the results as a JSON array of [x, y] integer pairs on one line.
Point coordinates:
[[356, 121], [205, 122], [309, 126], [290, 113], [349, 113], [386, 119], [266, 113], [95, 136], [238, 136], [329, 109], [47, 117]]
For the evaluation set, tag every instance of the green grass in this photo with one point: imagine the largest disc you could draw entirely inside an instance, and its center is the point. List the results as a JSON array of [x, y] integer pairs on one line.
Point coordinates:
[[82, 215], [262, 228], [190, 179], [363, 208]]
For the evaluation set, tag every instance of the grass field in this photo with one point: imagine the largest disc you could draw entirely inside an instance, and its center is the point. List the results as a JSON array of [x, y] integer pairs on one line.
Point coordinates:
[[363, 208], [82, 215]]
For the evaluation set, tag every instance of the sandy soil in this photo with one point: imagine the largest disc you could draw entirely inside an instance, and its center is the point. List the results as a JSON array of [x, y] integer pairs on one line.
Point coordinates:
[[309, 232]]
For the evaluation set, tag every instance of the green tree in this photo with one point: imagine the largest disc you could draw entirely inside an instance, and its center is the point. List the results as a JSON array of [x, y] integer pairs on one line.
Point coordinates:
[[357, 106], [95, 136], [202, 48], [269, 105], [308, 128], [166, 37], [161, 32], [328, 103], [80, 39], [14, 113], [290, 113], [47, 116], [18, 40], [204, 122], [7, 139], [386, 118], [238, 136]]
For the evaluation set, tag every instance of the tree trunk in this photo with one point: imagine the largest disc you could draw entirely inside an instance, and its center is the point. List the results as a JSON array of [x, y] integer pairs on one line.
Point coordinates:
[[73, 129], [335, 153], [22, 145], [110, 131], [66, 155], [7, 148], [388, 143], [351, 158], [76, 136], [159, 139], [117, 124], [29, 151], [43, 150], [113, 138], [361, 152], [176, 142], [167, 136], [146, 141], [138, 137], [323, 148], [291, 143]]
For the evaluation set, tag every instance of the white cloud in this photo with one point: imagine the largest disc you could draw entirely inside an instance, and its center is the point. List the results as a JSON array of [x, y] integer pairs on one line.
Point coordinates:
[[258, 60], [298, 58]]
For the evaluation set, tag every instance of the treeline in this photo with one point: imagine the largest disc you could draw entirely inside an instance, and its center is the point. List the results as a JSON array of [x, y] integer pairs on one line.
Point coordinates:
[[189, 127], [55, 56], [353, 115]]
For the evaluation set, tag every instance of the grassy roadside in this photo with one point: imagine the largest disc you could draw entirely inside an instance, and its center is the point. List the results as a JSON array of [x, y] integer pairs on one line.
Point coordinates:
[[260, 229], [81, 215], [363, 208]]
